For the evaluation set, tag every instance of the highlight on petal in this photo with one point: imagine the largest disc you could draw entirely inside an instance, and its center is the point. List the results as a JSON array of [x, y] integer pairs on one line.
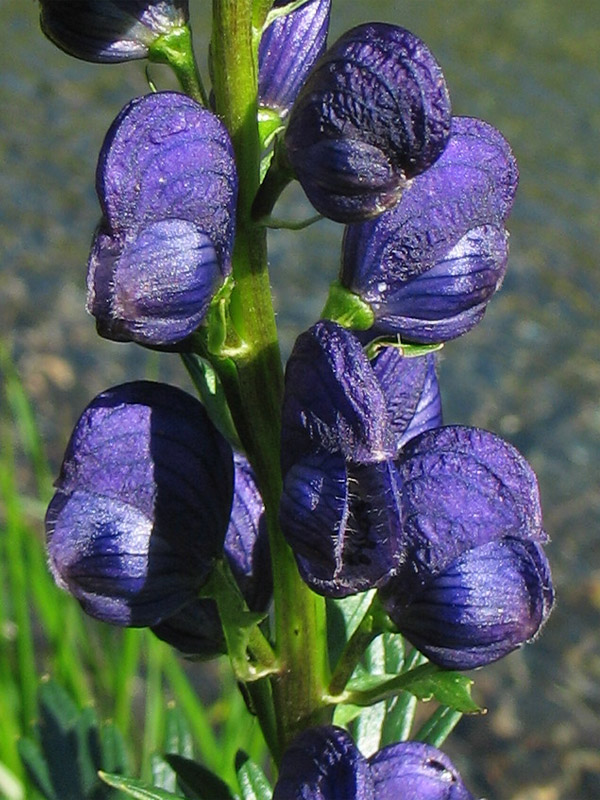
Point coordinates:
[[323, 764], [373, 113], [429, 266], [484, 605], [167, 185], [415, 770], [158, 288], [141, 506], [289, 47], [109, 31]]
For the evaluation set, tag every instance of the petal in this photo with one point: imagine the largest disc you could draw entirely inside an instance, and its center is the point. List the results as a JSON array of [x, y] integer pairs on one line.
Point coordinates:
[[415, 771], [247, 540], [332, 399], [485, 604], [142, 504], [323, 764], [195, 630], [377, 86], [343, 523], [109, 31], [158, 288], [449, 299], [288, 50], [461, 488], [165, 156], [472, 184], [412, 393]]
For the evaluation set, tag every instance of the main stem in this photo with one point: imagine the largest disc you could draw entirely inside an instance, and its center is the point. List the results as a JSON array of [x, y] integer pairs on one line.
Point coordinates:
[[300, 640]]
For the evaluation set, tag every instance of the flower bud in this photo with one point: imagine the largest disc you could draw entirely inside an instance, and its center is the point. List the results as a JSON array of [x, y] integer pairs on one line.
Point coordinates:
[[288, 50], [429, 266], [110, 30], [141, 506], [167, 185], [373, 113], [325, 764]]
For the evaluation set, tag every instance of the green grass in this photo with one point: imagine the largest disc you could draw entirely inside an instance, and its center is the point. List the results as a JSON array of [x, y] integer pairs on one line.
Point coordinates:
[[128, 675]]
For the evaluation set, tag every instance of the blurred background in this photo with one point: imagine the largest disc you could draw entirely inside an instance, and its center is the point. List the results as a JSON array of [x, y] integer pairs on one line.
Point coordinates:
[[530, 371]]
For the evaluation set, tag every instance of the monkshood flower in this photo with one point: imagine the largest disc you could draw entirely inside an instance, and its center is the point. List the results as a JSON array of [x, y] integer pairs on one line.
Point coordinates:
[[142, 504], [167, 185], [445, 521], [109, 31], [429, 266], [344, 421], [325, 764], [289, 47], [373, 113], [476, 583], [196, 630]]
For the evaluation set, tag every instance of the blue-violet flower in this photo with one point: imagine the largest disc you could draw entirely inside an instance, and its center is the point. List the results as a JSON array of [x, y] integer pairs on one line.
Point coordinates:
[[142, 504], [373, 113], [429, 266], [325, 764], [167, 185], [445, 521]]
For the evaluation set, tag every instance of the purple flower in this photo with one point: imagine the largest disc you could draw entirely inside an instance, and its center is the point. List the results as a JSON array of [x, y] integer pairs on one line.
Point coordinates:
[[325, 764], [167, 185], [288, 50], [110, 30], [429, 266], [344, 421], [373, 113], [445, 521], [141, 506]]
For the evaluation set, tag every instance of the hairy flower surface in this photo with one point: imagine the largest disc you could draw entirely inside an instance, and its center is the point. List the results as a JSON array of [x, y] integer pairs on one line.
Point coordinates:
[[373, 113], [429, 266], [343, 424], [288, 50], [325, 764], [110, 30], [142, 504], [445, 521], [167, 185]]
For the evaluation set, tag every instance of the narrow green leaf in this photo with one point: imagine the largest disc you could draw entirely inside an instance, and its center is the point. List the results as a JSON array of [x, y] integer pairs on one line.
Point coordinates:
[[343, 618], [178, 736], [114, 752], [36, 768], [197, 781], [438, 727], [136, 788], [253, 782]]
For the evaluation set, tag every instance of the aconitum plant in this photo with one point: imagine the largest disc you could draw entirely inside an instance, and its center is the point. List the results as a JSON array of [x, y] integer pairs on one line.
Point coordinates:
[[299, 519]]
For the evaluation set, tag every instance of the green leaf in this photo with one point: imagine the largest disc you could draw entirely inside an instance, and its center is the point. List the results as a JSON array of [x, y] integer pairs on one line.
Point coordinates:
[[197, 781], [343, 618], [426, 682], [253, 782], [178, 736], [136, 788], [114, 753], [437, 728], [406, 350], [36, 768]]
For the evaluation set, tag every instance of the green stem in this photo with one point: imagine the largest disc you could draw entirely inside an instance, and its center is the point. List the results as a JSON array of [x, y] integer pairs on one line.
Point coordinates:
[[299, 687], [177, 50]]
